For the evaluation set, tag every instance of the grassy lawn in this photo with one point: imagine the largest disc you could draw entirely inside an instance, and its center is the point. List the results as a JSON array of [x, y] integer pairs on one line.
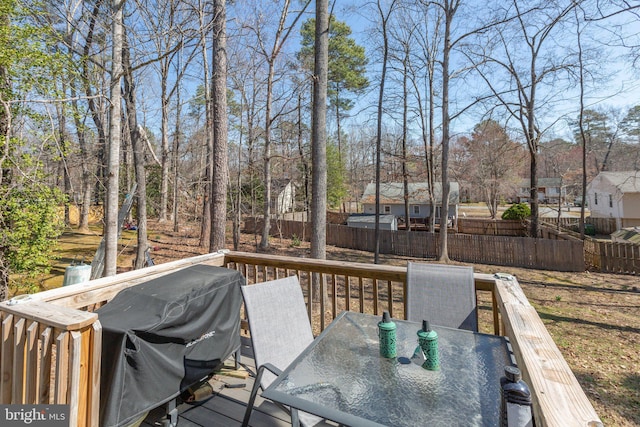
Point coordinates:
[[594, 318]]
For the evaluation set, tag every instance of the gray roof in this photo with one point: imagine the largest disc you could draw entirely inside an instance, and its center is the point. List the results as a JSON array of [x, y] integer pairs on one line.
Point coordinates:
[[631, 234], [625, 182], [393, 193], [542, 182]]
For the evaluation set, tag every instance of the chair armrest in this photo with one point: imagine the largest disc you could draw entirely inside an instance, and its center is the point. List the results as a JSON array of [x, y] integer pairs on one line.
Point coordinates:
[[271, 368]]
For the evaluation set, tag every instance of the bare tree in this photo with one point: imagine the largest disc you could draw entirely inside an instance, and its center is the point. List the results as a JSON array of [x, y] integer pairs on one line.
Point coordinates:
[[493, 159], [138, 147], [528, 66], [270, 55], [384, 20], [97, 108], [220, 176], [115, 135], [428, 40], [162, 19], [203, 30], [449, 9], [319, 137]]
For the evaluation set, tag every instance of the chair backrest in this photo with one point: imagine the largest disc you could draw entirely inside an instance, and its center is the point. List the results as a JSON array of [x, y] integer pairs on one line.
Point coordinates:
[[278, 322], [443, 294]]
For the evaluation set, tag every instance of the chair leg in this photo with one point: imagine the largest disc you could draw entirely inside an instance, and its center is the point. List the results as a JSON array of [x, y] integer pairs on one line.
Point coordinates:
[[252, 397], [237, 355], [295, 419]]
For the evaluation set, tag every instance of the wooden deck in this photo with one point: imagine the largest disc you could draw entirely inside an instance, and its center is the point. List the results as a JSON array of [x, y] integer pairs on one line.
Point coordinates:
[[50, 342], [227, 406]]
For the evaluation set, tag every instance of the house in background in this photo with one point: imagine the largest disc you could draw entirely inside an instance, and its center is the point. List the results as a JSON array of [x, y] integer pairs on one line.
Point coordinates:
[[616, 195], [550, 191], [283, 195], [392, 200]]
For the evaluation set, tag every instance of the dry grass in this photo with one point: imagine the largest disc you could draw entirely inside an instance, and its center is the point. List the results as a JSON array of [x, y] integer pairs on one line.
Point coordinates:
[[594, 318]]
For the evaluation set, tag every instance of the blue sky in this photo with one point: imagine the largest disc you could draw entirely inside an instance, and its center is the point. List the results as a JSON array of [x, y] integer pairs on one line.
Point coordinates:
[[621, 90]]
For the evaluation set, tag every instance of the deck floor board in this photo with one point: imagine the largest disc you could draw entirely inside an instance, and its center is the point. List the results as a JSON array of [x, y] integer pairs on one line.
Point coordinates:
[[227, 406]]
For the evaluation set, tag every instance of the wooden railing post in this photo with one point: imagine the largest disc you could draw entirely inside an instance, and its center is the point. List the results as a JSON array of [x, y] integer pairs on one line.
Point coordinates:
[[30, 332]]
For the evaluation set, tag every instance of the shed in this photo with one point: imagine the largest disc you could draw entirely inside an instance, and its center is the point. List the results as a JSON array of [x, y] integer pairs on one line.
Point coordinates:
[[626, 235], [387, 222]]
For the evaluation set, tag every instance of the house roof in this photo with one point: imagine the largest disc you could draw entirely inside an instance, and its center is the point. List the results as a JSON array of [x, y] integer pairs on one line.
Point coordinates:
[[542, 182], [392, 193], [625, 182]]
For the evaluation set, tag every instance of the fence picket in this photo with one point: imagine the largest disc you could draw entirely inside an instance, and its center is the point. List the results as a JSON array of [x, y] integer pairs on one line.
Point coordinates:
[[559, 252]]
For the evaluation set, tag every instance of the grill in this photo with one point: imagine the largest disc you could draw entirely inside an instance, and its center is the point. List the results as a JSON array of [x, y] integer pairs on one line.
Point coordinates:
[[162, 336]]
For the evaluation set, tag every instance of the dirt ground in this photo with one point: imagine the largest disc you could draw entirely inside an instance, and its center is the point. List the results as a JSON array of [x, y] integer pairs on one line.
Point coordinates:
[[594, 318]]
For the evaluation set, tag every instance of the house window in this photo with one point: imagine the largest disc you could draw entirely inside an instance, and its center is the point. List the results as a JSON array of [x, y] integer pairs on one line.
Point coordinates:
[[595, 198], [610, 201], [387, 209], [416, 209]]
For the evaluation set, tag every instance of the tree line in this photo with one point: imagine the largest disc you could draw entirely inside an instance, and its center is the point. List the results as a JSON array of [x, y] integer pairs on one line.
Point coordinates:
[[206, 106]]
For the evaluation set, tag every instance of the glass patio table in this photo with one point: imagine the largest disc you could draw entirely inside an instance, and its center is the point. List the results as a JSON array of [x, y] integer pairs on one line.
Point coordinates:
[[342, 377]]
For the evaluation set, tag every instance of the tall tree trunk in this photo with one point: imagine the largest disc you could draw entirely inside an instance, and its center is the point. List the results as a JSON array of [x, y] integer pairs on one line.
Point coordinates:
[[319, 140], [115, 136], [237, 197], [219, 159], [166, 163], [405, 113], [63, 147], [583, 139], [319, 133], [450, 11], [85, 184], [5, 134], [305, 166], [205, 225], [96, 112], [176, 154], [138, 148], [266, 210], [383, 76], [431, 172]]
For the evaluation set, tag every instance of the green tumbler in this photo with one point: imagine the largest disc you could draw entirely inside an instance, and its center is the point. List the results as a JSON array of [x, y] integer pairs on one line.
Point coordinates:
[[428, 340], [387, 334]]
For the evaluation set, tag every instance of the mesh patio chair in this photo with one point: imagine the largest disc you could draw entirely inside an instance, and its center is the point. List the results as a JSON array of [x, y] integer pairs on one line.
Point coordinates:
[[443, 294], [280, 331]]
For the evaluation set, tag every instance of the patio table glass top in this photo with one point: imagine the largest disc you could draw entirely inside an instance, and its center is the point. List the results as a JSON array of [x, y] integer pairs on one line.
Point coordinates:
[[342, 377]]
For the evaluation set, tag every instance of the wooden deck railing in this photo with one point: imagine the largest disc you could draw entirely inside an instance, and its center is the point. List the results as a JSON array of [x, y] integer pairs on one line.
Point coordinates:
[[51, 343]]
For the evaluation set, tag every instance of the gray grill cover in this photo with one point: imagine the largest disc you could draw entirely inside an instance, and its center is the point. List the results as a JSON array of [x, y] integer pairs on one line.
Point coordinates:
[[164, 335]]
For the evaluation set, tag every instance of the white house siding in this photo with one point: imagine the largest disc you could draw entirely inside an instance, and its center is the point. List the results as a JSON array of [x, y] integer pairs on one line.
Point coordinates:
[[285, 199], [615, 195], [398, 210]]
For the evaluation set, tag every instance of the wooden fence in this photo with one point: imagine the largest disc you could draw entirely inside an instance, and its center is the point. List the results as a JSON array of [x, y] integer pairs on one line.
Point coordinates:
[[492, 227], [544, 254], [612, 257], [556, 250], [601, 225]]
